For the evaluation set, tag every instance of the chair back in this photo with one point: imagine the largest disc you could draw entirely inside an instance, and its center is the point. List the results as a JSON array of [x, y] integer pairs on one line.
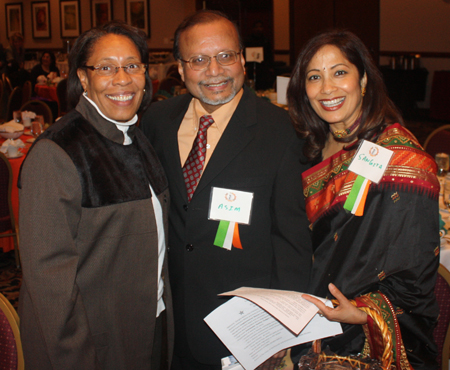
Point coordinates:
[[26, 91], [40, 108], [173, 72], [7, 83], [438, 141], [61, 92], [8, 225], [10, 344], [439, 96], [168, 85], [442, 331], [14, 102], [3, 102]]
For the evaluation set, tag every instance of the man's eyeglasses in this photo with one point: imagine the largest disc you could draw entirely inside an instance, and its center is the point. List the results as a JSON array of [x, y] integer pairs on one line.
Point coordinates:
[[201, 62], [111, 70]]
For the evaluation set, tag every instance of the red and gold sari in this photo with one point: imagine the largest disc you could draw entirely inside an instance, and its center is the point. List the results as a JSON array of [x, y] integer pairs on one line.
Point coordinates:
[[391, 251]]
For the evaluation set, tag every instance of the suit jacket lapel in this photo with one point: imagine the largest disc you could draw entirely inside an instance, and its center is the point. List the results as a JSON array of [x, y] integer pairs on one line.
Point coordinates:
[[238, 134]]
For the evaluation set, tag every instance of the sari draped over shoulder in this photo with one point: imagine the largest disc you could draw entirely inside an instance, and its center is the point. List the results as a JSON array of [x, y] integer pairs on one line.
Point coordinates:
[[392, 250]]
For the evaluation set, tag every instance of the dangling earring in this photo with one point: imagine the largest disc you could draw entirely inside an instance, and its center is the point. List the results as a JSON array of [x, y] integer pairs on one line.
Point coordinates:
[[363, 91]]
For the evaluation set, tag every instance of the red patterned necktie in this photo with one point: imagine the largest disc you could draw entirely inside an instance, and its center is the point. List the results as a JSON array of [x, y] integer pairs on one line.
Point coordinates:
[[193, 168]]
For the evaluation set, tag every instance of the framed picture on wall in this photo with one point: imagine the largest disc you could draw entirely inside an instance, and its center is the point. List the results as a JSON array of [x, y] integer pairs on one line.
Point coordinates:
[[70, 18], [101, 12], [40, 17], [138, 14], [14, 20]]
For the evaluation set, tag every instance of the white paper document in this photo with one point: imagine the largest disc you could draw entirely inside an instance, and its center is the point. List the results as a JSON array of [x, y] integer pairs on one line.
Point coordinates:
[[253, 335], [288, 307], [282, 85]]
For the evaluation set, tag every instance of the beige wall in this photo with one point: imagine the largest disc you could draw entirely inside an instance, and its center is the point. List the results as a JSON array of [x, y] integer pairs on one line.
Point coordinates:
[[281, 28], [416, 25], [164, 18], [405, 25]]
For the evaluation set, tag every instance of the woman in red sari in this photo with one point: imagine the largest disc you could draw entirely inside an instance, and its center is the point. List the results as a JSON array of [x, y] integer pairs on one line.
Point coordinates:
[[386, 258]]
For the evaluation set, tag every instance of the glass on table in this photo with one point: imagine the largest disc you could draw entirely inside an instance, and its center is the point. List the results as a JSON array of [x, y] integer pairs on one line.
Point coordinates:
[[442, 162], [17, 115], [36, 128], [40, 119]]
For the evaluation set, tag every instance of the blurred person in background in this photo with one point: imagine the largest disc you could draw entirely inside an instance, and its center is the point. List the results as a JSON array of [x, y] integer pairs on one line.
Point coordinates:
[[47, 64]]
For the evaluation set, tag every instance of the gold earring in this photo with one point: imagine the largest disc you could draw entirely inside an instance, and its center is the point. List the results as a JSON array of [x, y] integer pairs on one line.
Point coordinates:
[[363, 91]]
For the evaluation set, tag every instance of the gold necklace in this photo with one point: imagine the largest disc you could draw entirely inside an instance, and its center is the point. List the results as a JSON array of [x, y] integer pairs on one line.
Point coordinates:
[[341, 134]]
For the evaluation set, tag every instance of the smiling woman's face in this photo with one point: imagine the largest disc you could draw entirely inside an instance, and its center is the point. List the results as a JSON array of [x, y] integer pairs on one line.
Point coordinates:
[[46, 60], [333, 87], [119, 96]]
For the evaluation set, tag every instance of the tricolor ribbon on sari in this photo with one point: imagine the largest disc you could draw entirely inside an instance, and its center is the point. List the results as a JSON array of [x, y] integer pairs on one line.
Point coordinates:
[[228, 235], [358, 195]]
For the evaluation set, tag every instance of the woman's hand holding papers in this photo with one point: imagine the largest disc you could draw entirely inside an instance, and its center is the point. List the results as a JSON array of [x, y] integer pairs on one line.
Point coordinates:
[[344, 313]]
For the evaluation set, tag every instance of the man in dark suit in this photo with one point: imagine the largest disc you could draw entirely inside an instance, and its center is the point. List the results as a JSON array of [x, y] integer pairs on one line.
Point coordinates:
[[251, 147]]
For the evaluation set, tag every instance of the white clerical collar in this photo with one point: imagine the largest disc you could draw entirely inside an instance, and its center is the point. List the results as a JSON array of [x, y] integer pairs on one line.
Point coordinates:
[[122, 126]]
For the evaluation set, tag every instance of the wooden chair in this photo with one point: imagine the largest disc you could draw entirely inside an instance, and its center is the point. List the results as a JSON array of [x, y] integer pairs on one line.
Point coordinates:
[[10, 343], [14, 102], [438, 141], [7, 83], [173, 68], [168, 85], [8, 225], [61, 92], [26, 91], [442, 331], [40, 108], [173, 72], [3, 102]]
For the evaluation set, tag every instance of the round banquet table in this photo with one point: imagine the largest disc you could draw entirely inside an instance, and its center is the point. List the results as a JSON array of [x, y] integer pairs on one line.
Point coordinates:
[[7, 243]]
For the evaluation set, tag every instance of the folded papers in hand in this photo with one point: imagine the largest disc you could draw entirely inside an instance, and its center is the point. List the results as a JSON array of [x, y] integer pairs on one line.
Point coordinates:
[[257, 323]]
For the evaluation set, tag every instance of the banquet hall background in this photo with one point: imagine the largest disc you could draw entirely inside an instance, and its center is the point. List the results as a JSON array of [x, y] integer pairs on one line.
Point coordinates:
[[389, 27]]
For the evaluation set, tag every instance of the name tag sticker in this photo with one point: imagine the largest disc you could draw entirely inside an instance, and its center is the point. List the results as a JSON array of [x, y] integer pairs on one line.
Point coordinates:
[[370, 161], [230, 205]]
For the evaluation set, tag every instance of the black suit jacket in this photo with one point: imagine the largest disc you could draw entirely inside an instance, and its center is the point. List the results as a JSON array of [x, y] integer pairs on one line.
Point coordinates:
[[258, 152]]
